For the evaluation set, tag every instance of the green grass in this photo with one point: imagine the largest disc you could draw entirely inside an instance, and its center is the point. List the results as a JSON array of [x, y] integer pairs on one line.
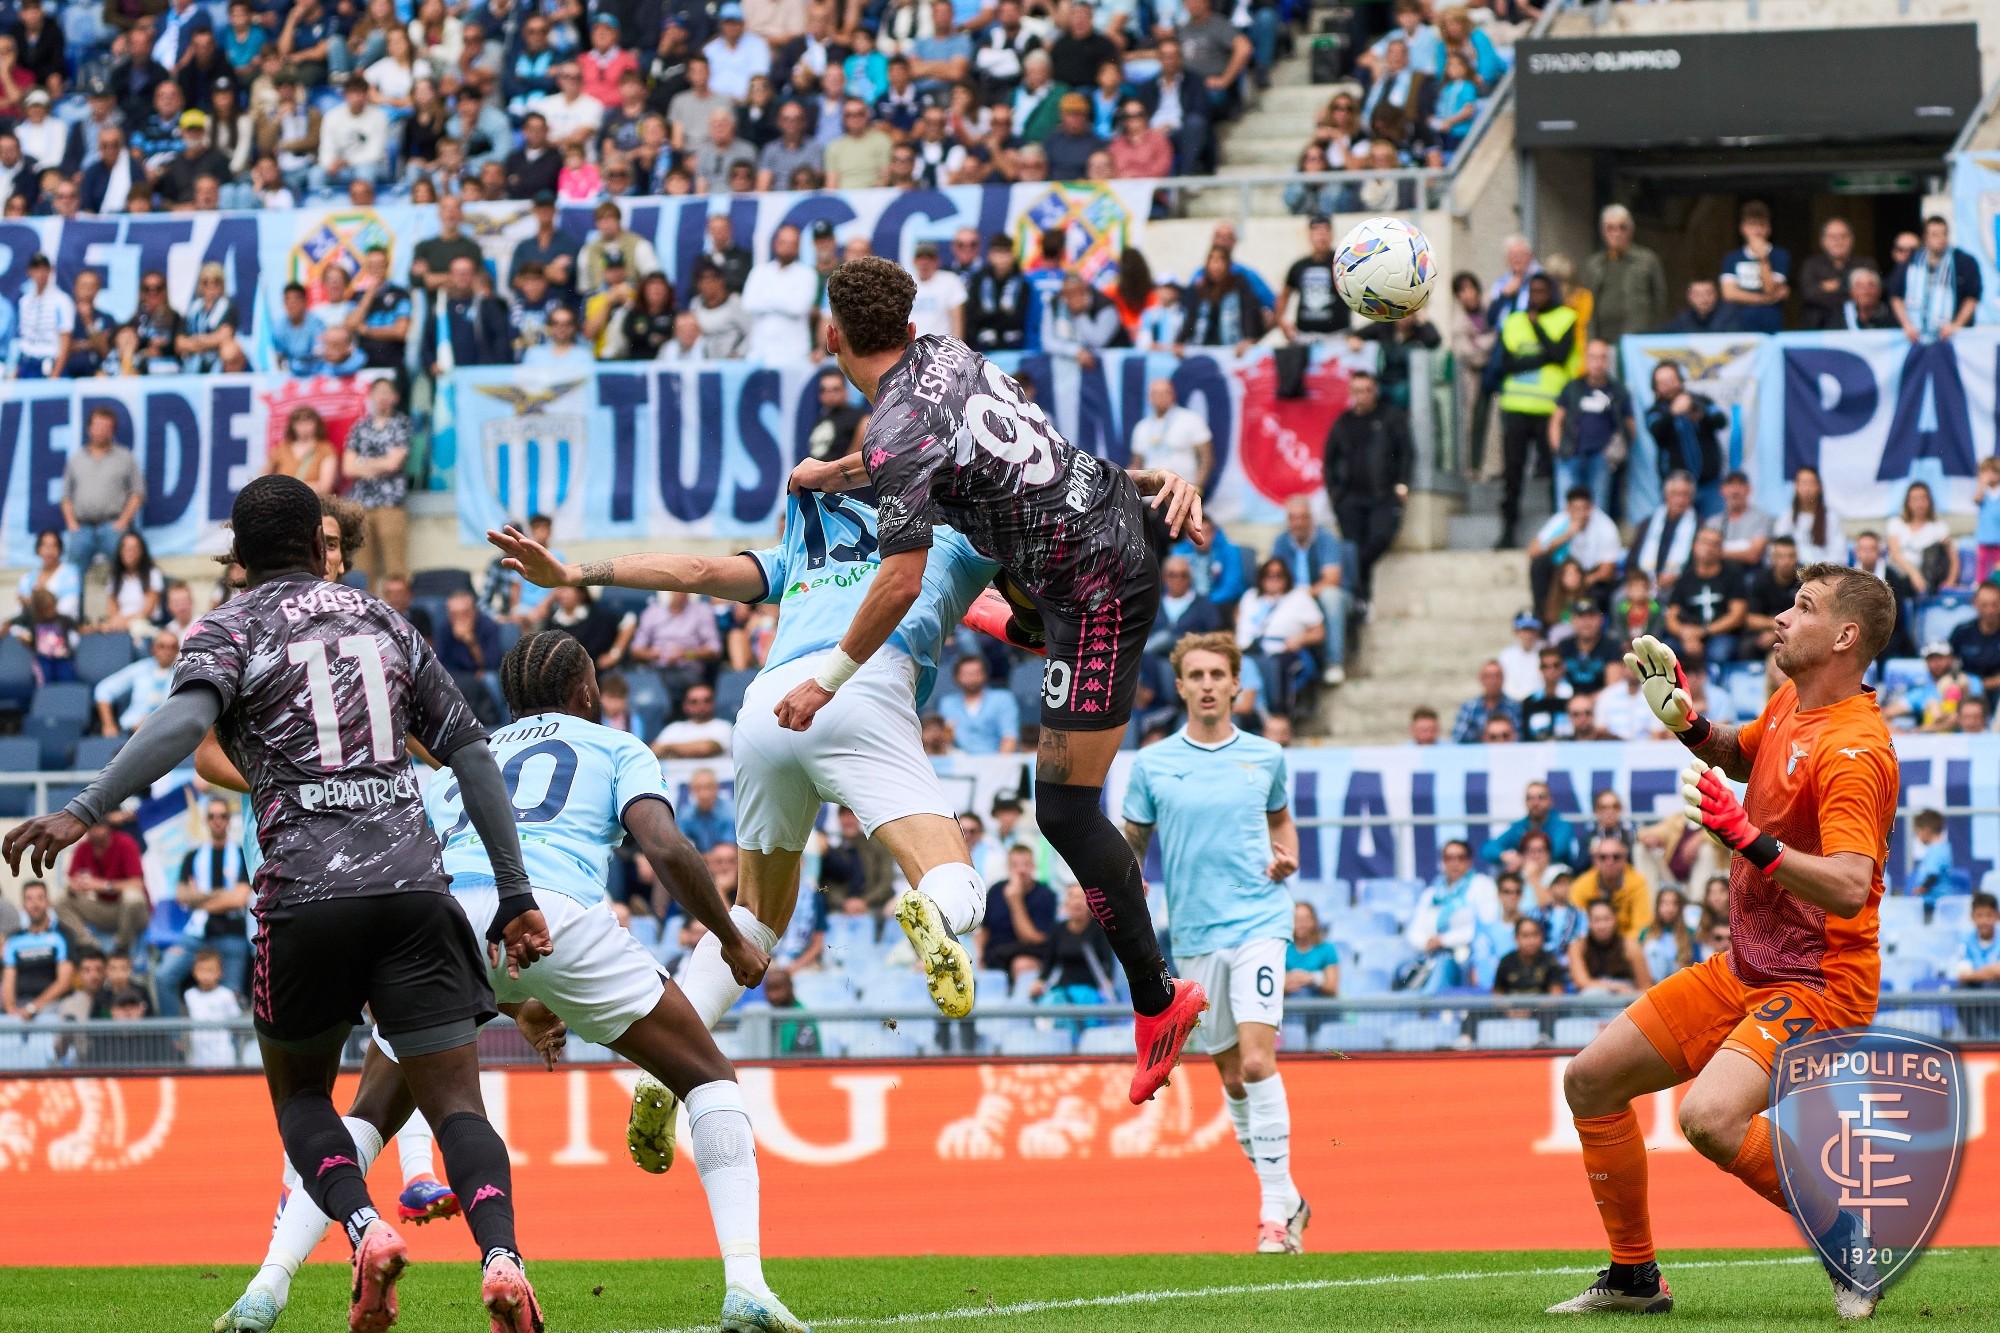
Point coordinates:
[[1719, 1290]]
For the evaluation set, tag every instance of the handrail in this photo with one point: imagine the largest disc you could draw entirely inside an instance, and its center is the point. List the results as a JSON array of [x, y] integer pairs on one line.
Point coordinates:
[[1987, 106]]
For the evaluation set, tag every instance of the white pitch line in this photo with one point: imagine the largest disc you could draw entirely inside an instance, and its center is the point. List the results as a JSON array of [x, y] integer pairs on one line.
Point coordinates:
[[1204, 1293]]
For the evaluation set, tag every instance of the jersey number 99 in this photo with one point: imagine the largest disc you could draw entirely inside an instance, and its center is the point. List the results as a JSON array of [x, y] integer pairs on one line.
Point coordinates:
[[1010, 428]]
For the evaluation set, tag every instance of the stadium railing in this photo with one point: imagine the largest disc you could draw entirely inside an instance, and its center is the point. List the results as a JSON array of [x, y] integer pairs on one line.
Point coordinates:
[[1337, 1028]]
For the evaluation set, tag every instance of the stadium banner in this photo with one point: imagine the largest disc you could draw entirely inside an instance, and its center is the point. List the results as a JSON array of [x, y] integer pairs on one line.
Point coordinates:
[[1975, 228], [1870, 410], [704, 450], [854, 1156], [119, 247], [198, 439], [1475, 791]]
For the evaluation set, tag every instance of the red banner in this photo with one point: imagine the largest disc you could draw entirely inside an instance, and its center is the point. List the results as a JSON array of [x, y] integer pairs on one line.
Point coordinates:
[[1422, 1153]]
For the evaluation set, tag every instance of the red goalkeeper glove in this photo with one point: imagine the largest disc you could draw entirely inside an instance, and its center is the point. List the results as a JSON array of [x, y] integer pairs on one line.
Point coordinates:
[[1711, 804]]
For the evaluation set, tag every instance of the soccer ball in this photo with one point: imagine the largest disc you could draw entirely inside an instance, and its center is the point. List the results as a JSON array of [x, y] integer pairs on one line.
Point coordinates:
[[1384, 269]]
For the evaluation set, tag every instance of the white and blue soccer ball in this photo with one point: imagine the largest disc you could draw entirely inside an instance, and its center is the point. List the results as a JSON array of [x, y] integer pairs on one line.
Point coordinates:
[[1384, 269]]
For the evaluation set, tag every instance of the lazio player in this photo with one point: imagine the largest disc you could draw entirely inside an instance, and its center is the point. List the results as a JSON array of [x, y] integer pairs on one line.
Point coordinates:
[[1218, 799], [1809, 840]]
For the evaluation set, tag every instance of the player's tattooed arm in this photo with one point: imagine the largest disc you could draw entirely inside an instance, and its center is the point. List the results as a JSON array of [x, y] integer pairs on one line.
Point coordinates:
[[836, 474], [735, 578], [1722, 751], [1138, 837]]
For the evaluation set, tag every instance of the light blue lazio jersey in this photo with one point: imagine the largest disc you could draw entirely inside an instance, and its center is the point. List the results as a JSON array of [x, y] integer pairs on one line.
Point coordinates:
[[571, 782], [1209, 808], [825, 566]]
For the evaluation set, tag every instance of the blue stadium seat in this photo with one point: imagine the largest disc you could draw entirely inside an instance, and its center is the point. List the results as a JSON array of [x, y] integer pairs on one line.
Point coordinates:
[[510, 634], [823, 990], [1900, 673], [355, 578], [729, 689], [1507, 1034], [1037, 1041], [434, 608], [1953, 911], [1941, 615], [54, 736], [1115, 1040], [1345, 1037], [18, 754], [1024, 682], [94, 752], [17, 674], [439, 582], [622, 600], [99, 655], [1925, 1022], [67, 699], [1901, 915], [1423, 1034], [1575, 1032], [62, 795], [648, 698]]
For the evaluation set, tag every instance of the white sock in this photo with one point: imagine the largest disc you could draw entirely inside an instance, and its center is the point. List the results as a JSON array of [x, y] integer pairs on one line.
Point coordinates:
[[301, 1224], [1239, 1116], [415, 1146], [707, 981], [960, 897], [1271, 1148], [725, 1154]]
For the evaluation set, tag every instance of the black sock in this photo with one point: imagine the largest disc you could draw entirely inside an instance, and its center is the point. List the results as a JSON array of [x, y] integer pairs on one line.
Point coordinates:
[[476, 1166], [323, 1152], [1103, 864]]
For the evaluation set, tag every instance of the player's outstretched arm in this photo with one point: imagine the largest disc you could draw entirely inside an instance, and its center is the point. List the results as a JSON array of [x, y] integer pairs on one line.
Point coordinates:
[[161, 745], [735, 578], [888, 600], [1665, 687], [837, 474], [681, 868], [517, 924]]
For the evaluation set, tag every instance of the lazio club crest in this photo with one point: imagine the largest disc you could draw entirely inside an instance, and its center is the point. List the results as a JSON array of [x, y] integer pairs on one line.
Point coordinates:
[[534, 458], [1873, 1121]]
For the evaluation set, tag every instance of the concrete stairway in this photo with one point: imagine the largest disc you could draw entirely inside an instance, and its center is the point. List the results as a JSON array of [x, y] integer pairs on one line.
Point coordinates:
[[1438, 615], [1266, 140]]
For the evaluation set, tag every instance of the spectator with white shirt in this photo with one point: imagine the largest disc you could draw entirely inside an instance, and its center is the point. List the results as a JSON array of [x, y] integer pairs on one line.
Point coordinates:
[[1521, 660], [573, 115], [781, 296], [699, 734], [939, 308], [44, 319], [1666, 539], [1812, 524], [1172, 438], [129, 695], [1581, 532], [1746, 530], [735, 55], [1620, 711], [353, 141]]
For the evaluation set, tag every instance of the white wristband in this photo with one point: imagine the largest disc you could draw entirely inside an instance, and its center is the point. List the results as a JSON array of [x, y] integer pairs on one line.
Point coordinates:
[[834, 672]]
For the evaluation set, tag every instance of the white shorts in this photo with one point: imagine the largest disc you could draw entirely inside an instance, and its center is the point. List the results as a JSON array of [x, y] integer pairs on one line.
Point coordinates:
[[1245, 984], [599, 980], [864, 750]]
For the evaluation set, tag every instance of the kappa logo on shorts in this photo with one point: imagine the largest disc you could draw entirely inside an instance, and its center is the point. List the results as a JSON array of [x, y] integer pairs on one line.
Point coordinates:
[[1872, 1119]]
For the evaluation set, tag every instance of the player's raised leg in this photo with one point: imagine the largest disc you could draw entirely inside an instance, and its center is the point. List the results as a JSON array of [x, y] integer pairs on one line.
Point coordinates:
[[1600, 1085]]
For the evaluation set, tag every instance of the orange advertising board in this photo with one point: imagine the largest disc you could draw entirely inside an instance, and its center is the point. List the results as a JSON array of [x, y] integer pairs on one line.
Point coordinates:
[[1417, 1153]]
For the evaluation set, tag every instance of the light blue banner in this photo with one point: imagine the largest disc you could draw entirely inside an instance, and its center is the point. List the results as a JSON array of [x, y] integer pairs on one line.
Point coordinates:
[[1975, 205]]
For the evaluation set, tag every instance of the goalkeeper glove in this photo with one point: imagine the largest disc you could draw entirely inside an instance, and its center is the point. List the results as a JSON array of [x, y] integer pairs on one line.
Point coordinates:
[[1711, 804], [1665, 686]]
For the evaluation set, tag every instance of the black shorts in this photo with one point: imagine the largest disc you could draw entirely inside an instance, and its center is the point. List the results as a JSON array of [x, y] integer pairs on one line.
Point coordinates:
[[1094, 653], [410, 957]]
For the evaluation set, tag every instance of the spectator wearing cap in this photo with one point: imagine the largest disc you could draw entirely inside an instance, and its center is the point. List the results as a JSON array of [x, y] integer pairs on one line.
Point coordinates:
[[1588, 653], [1071, 143], [788, 152], [859, 158], [603, 67], [735, 55], [44, 139], [999, 300], [45, 317], [781, 297], [1580, 532], [101, 113], [1520, 661], [537, 164], [353, 141], [1932, 703], [197, 158]]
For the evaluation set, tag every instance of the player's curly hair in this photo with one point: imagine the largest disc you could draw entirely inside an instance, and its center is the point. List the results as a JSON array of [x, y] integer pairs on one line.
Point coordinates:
[[272, 524], [871, 299], [538, 673], [353, 521]]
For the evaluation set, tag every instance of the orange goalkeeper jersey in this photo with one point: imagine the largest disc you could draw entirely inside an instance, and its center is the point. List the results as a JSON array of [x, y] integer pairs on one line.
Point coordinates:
[[1822, 781]]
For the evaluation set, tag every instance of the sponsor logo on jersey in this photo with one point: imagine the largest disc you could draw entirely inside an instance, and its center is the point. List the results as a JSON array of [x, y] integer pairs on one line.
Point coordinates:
[[840, 578], [357, 793]]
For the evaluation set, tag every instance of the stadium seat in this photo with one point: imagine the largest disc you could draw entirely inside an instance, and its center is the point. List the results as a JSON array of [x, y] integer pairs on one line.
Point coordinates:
[[1024, 682], [17, 675], [823, 990], [55, 735], [433, 607], [1953, 911], [94, 752], [990, 986], [1927, 1022], [355, 578], [1326, 897], [1902, 972], [1292, 1036], [1575, 1032], [647, 697], [1943, 614], [1902, 915], [850, 939], [1343, 1037], [510, 634], [1900, 673], [99, 655], [872, 1041], [439, 583], [731, 1043], [1397, 897], [729, 690], [622, 600], [1423, 1034], [896, 989], [1360, 982], [21, 1049], [1114, 1040], [1507, 1034], [70, 699], [18, 754], [1031, 1040]]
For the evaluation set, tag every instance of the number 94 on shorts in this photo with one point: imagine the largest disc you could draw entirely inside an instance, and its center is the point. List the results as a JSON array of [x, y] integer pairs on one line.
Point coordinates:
[[1245, 984]]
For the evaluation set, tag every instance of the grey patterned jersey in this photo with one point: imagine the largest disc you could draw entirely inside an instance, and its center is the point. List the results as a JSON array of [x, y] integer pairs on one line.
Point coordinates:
[[320, 683], [953, 441]]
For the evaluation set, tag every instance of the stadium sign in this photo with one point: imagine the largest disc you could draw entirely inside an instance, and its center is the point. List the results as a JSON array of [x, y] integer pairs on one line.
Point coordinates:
[[1872, 1121], [1735, 87]]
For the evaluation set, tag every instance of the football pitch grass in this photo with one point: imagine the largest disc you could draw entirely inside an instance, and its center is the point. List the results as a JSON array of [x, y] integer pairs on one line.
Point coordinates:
[[1721, 1289]]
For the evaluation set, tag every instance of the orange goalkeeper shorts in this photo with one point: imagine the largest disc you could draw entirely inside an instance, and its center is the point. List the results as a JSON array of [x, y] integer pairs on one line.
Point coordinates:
[[1700, 1009]]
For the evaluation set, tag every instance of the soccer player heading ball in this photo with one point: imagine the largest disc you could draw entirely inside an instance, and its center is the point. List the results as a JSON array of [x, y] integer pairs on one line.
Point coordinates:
[[952, 441], [1809, 840]]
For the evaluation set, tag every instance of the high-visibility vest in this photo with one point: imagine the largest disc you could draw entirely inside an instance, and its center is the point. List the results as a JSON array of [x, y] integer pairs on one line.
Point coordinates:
[[1534, 392]]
